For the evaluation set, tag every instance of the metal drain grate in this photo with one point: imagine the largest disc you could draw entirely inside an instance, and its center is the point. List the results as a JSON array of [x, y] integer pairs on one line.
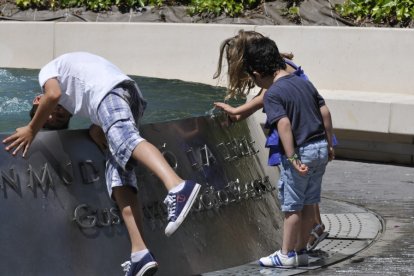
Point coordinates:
[[352, 225], [349, 233], [253, 269]]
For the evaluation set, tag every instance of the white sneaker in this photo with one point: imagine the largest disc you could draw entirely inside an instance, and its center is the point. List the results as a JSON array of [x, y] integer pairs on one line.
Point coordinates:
[[280, 260]]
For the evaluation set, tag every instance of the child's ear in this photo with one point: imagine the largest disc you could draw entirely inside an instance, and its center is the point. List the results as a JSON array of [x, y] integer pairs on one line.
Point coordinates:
[[256, 75], [36, 100]]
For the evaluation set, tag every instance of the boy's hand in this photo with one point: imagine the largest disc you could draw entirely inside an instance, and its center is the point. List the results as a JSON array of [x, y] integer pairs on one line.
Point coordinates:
[[20, 140], [331, 153], [300, 167]]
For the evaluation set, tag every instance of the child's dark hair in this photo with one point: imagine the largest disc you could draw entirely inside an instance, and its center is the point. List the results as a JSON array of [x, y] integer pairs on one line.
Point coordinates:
[[262, 56], [32, 112]]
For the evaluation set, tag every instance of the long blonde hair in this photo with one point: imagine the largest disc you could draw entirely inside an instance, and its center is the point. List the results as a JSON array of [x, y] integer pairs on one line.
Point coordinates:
[[239, 82]]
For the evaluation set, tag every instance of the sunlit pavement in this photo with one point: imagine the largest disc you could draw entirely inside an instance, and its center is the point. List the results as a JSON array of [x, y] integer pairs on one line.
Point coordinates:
[[368, 210]]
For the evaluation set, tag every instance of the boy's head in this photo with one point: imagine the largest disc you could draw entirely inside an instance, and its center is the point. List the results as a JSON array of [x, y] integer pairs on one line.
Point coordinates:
[[261, 55], [59, 119]]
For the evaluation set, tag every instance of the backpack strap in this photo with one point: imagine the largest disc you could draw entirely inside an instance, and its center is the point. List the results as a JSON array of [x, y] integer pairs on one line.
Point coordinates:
[[290, 63]]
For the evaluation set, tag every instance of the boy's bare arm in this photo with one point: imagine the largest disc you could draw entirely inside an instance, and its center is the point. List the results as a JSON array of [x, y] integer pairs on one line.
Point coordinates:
[[327, 121], [284, 129], [48, 103], [98, 136], [23, 136]]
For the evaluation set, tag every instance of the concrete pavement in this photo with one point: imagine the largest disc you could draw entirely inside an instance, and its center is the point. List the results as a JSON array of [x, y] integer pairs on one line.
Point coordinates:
[[368, 209], [387, 190]]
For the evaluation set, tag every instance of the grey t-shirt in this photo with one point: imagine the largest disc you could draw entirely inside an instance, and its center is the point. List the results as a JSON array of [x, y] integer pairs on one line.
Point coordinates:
[[293, 97]]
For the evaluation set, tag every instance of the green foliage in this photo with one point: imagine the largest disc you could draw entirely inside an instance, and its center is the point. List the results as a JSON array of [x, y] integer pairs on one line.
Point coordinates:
[[94, 5], [215, 7], [292, 12], [218, 7], [98, 5], [25, 4], [393, 12], [390, 12]]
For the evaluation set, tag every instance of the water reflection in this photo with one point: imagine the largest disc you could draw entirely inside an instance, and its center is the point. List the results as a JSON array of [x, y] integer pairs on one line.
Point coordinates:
[[167, 99]]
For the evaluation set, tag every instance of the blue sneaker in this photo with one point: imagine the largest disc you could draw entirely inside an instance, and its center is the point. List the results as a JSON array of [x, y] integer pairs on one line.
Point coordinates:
[[179, 204], [147, 266]]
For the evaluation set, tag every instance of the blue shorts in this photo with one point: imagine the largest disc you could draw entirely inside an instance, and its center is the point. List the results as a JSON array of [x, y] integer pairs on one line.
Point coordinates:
[[295, 190], [119, 113]]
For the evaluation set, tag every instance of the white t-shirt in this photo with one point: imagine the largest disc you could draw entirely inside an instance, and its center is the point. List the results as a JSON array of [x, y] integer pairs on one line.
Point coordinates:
[[84, 79]]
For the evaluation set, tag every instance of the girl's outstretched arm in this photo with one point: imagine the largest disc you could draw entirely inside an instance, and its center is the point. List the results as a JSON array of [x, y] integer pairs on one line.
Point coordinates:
[[243, 111]]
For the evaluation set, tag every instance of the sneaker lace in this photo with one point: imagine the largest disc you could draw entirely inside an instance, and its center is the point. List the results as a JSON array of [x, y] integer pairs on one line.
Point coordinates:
[[126, 266], [171, 201]]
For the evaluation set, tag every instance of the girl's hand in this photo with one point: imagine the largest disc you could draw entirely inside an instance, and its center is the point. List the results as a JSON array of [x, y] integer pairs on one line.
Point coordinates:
[[20, 140], [225, 107]]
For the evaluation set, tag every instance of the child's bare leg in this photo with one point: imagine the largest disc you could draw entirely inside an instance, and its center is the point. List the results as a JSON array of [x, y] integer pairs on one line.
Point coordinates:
[[181, 194], [317, 221], [318, 218], [151, 157], [127, 202], [307, 222], [291, 228]]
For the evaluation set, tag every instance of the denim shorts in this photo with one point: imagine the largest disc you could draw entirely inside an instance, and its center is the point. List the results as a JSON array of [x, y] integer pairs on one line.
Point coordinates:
[[119, 114], [295, 190]]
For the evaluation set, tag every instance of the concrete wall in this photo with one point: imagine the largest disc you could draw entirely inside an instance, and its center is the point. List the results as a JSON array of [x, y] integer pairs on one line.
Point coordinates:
[[343, 58], [363, 73], [174, 51], [363, 59], [26, 45]]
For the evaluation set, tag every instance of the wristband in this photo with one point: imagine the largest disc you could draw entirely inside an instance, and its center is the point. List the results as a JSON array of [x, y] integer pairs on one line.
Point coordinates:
[[293, 158]]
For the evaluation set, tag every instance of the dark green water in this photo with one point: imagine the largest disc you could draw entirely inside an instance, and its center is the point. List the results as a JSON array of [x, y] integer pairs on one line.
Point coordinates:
[[167, 99]]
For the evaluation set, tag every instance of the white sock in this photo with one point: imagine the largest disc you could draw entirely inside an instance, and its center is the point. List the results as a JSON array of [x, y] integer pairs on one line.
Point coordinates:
[[177, 188], [138, 255]]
